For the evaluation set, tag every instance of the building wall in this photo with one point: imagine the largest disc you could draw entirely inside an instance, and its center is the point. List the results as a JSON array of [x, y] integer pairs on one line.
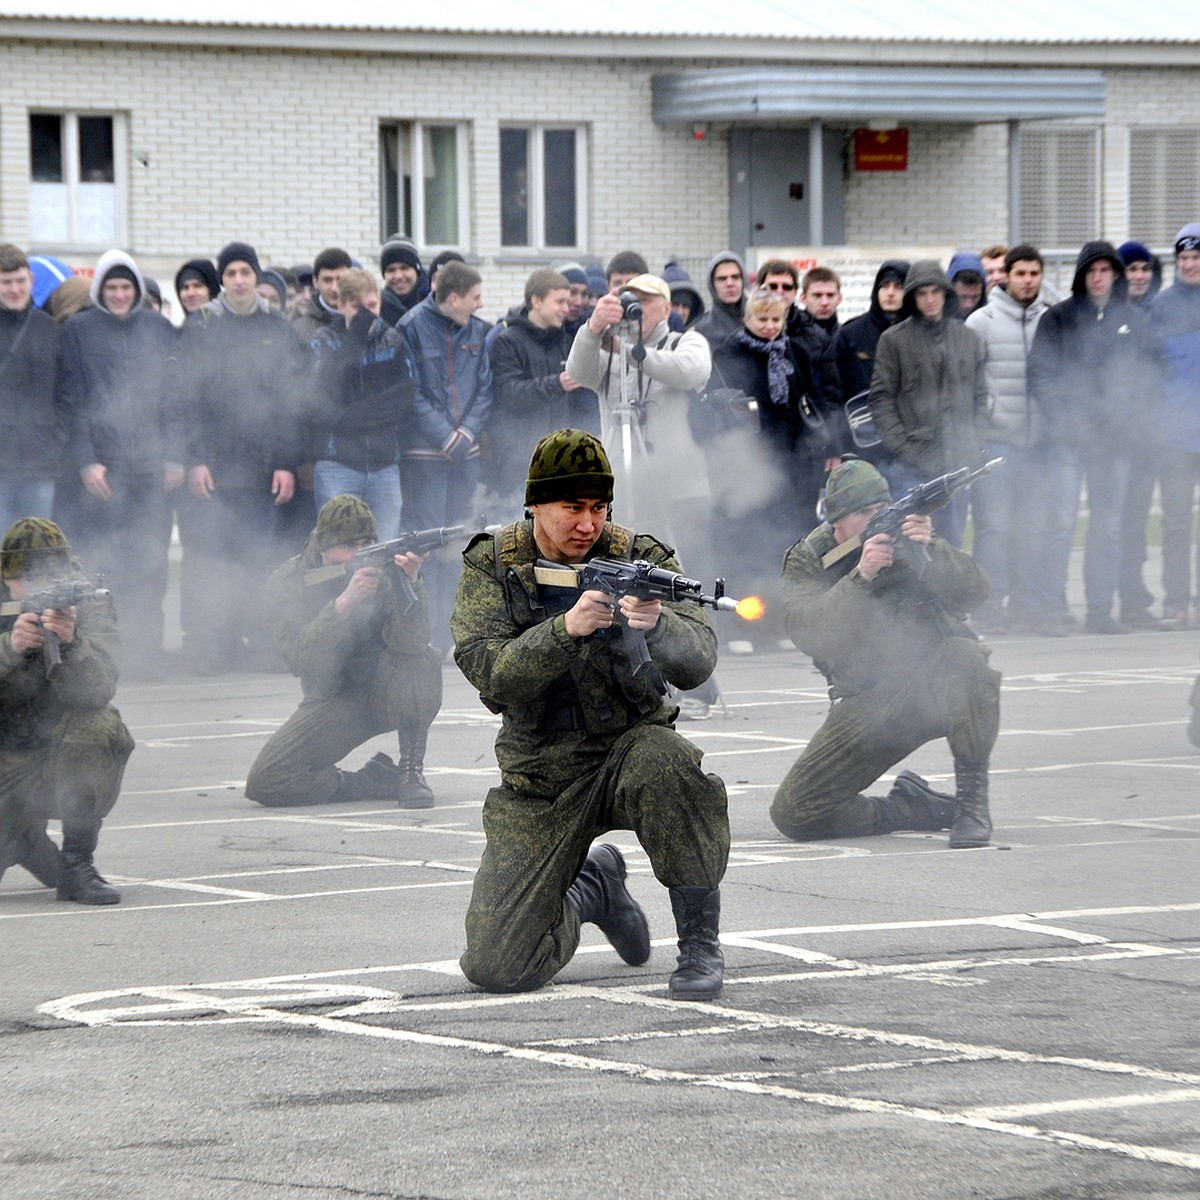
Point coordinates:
[[281, 149], [955, 191]]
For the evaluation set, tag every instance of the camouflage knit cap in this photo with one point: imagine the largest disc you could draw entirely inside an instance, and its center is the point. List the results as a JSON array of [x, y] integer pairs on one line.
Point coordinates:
[[853, 486], [344, 519], [569, 464], [28, 537]]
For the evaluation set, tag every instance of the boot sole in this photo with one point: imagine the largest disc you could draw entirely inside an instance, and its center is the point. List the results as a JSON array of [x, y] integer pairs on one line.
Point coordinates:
[[710, 994], [96, 902]]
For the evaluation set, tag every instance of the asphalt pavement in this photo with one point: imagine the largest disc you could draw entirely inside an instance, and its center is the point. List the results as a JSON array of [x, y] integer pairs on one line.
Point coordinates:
[[275, 1009]]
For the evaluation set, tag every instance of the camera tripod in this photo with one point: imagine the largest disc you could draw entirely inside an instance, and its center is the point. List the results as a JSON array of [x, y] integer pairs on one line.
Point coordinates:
[[627, 447]]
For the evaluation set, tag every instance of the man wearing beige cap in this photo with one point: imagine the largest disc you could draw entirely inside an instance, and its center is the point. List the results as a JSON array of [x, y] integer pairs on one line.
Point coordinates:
[[642, 372]]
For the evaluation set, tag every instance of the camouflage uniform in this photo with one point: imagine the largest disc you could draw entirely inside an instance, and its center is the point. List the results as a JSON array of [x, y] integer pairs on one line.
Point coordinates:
[[63, 746], [583, 748], [902, 669], [362, 675]]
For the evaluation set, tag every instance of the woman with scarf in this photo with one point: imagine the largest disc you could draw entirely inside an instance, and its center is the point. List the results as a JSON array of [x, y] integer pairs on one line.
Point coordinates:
[[766, 475]]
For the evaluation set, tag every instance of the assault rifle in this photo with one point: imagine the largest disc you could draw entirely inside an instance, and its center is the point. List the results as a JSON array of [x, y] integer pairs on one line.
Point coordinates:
[[925, 498], [60, 595], [382, 554], [616, 577]]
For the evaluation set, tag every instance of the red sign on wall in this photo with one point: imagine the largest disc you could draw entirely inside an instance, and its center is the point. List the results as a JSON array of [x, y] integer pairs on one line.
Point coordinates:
[[881, 149]]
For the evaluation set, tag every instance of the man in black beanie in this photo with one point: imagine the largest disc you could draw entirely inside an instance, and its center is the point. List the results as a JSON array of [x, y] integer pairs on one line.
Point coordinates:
[[240, 386], [405, 281], [196, 283]]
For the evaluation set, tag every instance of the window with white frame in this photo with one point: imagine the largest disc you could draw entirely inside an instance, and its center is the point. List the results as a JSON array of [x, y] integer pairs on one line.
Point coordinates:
[[75, 178], [423, 182], [1164, 182], [542, 186], [1060, 185]]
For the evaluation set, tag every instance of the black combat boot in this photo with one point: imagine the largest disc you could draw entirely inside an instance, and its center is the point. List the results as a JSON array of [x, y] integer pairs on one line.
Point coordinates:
[[40, 856], [913, 804], [599, 895], [700, 972], [972, 825], [412, 791], [375, 780], [80, 881]]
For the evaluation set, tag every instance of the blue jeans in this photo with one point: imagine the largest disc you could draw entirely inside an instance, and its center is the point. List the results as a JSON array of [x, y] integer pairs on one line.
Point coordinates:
[[439, 492], [24, 498], [379, 489], [949, 521], [1062, 476]]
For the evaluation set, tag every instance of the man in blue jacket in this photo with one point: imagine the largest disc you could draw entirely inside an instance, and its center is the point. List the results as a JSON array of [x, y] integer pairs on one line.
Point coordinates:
[[439, 466], [1176, 319]]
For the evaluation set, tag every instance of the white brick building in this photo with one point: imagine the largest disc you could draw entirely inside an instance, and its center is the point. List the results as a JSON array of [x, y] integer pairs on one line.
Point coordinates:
[[525, 141]]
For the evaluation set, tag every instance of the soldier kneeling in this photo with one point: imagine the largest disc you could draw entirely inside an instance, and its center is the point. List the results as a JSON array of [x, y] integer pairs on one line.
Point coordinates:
[[63, 747], [359, 641]]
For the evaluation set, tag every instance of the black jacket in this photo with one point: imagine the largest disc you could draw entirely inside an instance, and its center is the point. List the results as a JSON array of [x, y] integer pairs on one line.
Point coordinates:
[[529, 399], [242, 388], [114, 387], [1096, 372], [33, 423], [736, 365], [364, 392]]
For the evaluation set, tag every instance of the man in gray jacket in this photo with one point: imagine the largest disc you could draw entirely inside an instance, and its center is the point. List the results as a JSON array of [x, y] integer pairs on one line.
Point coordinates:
[[928, 392], [1005, 504]]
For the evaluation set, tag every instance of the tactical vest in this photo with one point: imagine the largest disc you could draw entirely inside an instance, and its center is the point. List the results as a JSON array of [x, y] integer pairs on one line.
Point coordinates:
[[598, 693]]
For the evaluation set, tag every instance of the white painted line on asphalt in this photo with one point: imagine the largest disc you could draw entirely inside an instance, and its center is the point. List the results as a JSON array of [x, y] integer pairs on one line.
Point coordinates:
[[1130, 910], [207, 888], [1123, 822], [265, 1008], [1083, 1104], [67, 910], [1033, 926]]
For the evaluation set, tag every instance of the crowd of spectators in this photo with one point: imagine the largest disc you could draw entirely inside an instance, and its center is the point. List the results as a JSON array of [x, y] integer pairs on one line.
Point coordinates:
[[724, 404]]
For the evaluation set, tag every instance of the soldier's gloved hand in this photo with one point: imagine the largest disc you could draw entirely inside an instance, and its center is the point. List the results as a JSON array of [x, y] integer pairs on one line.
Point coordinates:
[[364, 583], [593, 610]]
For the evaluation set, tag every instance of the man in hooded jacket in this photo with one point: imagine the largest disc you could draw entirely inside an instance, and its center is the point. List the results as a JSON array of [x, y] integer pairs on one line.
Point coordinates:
[[126, 441], [928, 392], [1094, 368], [1176, 317], [852, 351], [727, 286]]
